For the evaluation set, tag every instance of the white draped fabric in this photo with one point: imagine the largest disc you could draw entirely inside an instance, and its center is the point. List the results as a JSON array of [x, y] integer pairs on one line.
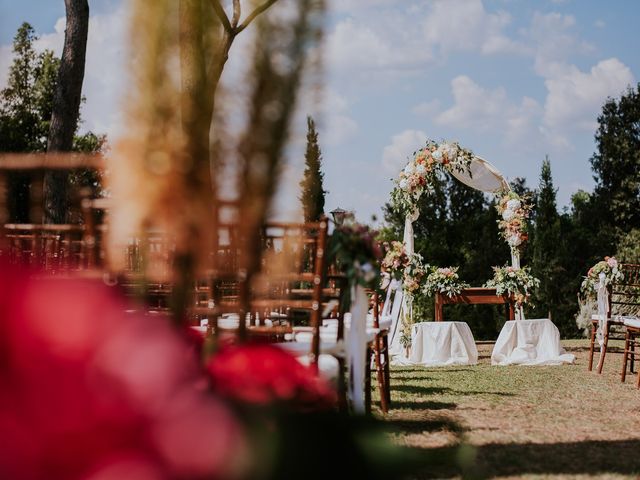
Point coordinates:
[[395, 348], [405, 308], [529, 342], [603, 313], [357, 347], [482, 176], [437, 344]]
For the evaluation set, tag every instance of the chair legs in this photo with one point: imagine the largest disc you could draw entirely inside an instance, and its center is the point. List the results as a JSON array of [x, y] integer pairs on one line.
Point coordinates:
[[603, 349], [381, 362], [632, 337], [594, 327], [387, 373], [367, 382]]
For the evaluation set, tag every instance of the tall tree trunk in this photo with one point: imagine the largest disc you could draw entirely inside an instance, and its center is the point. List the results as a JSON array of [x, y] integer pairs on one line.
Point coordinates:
[[66, 105]]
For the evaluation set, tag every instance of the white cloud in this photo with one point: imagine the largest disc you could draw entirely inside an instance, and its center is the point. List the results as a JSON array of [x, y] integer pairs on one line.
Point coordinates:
[[486, 110], [426, 109], [600, 23], [331, 112], [6, 57], [553, 41], [465, 25], [350, 6], [575, 98], [355, 45], [395, 155]]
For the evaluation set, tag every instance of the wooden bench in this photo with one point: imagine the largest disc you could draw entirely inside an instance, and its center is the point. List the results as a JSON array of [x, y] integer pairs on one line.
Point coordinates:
[[474, 296]]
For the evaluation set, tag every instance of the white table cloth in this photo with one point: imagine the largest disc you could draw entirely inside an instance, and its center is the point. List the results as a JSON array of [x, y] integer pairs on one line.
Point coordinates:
[[436, 344], [529, 342]]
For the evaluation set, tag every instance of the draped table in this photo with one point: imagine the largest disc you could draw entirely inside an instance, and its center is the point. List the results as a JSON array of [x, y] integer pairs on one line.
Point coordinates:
[[529, 342], [435, 344]]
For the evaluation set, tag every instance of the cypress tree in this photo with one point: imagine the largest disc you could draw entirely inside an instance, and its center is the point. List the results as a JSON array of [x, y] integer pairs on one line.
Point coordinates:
[[547, 248], [312, 194]]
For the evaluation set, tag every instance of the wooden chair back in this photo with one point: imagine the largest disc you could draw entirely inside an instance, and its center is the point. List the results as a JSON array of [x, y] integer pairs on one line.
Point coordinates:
[[624, 295]]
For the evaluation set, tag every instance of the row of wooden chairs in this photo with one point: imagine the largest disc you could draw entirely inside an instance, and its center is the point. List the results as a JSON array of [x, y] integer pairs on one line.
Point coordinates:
[[622, 321], [292, 294]]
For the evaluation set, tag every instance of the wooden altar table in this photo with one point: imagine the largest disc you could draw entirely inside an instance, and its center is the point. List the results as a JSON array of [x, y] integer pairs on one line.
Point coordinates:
[[474, 296]]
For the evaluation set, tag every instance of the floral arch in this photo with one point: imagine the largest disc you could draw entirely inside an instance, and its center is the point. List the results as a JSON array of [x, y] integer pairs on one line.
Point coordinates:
[[416, 179], [419, 174]]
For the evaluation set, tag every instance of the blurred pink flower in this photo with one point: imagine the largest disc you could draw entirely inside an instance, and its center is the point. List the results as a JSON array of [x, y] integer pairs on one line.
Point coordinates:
[[265, 374], [88, 391]]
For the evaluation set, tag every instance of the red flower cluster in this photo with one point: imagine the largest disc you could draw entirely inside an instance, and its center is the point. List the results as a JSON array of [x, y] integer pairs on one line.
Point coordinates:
[[87, 391], [264, 374]]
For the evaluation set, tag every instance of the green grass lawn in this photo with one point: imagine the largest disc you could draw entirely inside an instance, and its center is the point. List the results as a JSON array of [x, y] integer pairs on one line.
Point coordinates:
[[520, 422]]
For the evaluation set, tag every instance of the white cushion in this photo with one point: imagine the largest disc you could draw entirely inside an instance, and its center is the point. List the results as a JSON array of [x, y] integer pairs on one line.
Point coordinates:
[[385, 322], [632, 322], [328, 366]]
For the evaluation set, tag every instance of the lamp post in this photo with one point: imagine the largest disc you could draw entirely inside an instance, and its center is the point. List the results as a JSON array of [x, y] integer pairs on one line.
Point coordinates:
[[338, 216]]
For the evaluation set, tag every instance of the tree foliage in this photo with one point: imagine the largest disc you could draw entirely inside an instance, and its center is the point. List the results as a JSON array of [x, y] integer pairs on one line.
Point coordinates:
[[616, 166], [26, 106], [312, 190]]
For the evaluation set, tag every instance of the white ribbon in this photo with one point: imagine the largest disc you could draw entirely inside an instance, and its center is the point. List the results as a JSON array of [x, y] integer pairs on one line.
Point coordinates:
[[357, 347], [515, 257], [603, 314], [515, 263], [407, 310], [408, 231], [603, 309]]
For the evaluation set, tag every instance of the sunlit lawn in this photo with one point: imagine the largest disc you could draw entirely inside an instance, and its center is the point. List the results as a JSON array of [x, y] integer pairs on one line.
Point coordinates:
[[520, 422]]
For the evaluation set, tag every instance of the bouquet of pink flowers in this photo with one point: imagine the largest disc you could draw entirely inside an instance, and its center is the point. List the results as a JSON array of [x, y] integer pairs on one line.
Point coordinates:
[[516, 282], [357, 252], [419, 173], [414, 272], [610, 271], [444, 280], [395, 259], [513, 211]]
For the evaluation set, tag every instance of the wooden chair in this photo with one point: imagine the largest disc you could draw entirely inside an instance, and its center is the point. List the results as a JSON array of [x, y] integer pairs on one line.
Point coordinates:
[[379, 349], [51, 248], [631, 348], [624, 299]]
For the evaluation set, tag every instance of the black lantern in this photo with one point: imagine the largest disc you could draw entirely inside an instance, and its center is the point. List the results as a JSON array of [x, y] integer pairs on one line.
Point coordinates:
[[338, 216]]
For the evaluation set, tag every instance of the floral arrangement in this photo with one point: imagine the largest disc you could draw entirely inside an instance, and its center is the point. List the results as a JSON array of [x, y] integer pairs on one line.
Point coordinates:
[[395, 259], [414, 272], [405, 335], [608, 267], [357, 252], [514, 211], [516, 282], [418, 174], [445, 281]]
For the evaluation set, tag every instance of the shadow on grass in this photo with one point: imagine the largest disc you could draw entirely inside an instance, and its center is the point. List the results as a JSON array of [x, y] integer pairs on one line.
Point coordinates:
[[404, 427], [592, 458], [480, 392], [421, 390], [427, 405], [418, 390]]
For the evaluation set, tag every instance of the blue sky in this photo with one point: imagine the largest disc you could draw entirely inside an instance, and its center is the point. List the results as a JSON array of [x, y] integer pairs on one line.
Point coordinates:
[[513, 80]]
